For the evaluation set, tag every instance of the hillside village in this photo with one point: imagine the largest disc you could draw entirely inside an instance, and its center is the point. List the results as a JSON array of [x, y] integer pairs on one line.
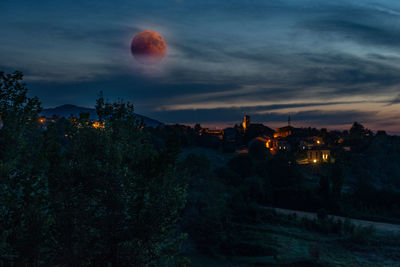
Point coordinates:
[[308, 145], [311, 146]]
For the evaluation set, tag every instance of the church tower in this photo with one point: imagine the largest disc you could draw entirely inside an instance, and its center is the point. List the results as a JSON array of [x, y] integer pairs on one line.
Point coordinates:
[[246, 122]]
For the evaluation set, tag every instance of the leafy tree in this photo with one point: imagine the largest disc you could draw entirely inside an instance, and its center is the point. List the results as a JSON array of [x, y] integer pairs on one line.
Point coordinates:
[[24, 213], [197, 128], [257, 149], [357, 130], [242, 165], [337, 179], [116, 200], [207, 218], [283, 174]]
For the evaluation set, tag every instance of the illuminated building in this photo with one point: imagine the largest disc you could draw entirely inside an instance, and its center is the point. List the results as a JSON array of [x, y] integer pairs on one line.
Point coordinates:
[[318, 141], [246, 122], [318, 155], [283, 132], [217, 133]]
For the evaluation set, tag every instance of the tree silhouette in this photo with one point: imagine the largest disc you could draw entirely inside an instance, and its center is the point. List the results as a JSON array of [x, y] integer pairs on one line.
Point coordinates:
[[76, 195]]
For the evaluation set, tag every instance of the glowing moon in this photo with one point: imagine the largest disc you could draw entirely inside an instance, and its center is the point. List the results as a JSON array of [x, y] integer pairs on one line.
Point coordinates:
[[148, 47]]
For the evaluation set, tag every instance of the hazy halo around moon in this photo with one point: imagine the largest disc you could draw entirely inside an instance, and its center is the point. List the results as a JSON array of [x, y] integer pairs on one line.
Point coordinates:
[[148, 47]]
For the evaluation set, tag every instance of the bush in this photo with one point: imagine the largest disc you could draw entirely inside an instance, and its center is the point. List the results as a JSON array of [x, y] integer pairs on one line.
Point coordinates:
[[257, 149], [322, 214], [228, 177], [253, 189], [242, 165], [362, 235], [207, 217]]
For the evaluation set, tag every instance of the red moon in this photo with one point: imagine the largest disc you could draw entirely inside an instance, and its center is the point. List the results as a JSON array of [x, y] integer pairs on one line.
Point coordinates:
[[148, 47]]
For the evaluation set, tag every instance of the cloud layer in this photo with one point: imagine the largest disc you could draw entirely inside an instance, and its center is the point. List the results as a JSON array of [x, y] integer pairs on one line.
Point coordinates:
[[326, 64]]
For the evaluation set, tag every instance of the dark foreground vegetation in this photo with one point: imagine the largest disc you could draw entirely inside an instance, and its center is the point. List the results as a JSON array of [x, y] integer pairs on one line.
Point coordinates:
[[72, 194]]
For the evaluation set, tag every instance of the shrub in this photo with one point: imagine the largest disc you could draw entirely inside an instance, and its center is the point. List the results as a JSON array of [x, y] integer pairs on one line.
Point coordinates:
[[242, 165], [362, 235]]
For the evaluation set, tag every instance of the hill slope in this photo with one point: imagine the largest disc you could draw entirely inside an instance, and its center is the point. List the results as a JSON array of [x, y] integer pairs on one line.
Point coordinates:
[[68, 110]]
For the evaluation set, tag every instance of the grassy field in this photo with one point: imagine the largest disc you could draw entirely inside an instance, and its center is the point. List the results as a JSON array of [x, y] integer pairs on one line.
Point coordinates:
[[291, 244]]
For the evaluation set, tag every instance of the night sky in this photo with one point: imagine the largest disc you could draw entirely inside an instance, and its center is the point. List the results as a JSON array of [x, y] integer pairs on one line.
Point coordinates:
[[326, 63]]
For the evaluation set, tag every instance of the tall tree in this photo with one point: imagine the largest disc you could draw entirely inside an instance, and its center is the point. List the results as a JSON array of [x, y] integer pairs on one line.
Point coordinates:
[[24, 217], [116, 200]]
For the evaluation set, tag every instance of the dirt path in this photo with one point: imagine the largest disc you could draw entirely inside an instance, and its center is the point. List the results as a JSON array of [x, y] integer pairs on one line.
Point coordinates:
[[379, 226]]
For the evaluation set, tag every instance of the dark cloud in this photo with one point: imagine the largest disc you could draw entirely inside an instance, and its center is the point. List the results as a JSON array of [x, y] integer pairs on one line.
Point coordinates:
[[356, 31], [264, 114], [351, 75], [309, 52], [396, 100], [335, 117], [305, 75]]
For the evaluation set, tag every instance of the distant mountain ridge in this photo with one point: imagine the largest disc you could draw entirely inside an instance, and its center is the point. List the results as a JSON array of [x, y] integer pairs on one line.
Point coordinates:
[[68, 110]]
